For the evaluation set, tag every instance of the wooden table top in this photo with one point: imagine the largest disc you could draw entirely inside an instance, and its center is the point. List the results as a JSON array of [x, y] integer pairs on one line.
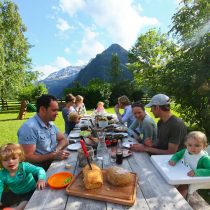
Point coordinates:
[[153, 192]]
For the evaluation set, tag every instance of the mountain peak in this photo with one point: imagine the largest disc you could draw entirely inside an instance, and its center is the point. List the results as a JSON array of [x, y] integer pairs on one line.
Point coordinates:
[[100, 66], [115, 48], [65, 72]]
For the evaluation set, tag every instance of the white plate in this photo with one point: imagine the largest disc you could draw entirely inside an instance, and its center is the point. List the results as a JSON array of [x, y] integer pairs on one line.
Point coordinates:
[[127, 144], [124, 134], [75, 146], [74, 135]]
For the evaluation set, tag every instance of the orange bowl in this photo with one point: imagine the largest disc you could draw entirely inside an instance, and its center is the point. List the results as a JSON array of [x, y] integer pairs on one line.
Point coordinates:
[[60, 180]]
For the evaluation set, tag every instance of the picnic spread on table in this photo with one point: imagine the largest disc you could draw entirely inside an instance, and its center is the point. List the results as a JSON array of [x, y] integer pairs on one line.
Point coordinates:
[[98, 184]]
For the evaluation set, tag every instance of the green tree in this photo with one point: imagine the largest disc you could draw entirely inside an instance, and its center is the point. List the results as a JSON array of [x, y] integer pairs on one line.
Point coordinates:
[[32, 92], [99, 91], [182, 72], [125, 87], [14, 49], [148, 59], [115, 72], [96, 90], [188, 74], [191, 22]]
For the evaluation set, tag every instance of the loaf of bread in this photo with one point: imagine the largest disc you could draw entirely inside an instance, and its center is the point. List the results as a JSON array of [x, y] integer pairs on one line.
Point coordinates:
[[93, 179], [118, 176], [87, 168]]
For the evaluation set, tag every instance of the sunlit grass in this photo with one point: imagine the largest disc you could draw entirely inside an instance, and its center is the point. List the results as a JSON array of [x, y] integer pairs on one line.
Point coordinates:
[[9, 124]]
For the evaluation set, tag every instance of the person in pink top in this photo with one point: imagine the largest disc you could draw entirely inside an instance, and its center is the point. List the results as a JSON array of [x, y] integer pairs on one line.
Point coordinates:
[[100, 108]]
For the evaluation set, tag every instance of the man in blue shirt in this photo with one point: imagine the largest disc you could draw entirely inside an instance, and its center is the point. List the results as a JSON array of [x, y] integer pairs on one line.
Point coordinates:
[[41, 140]]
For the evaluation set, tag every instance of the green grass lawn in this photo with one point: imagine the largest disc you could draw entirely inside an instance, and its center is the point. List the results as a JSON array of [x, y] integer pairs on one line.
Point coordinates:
[[9, 124]]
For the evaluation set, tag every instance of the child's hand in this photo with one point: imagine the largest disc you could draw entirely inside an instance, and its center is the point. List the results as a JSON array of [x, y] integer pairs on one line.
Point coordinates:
[[191, 173], [41, 184], [171, 163]]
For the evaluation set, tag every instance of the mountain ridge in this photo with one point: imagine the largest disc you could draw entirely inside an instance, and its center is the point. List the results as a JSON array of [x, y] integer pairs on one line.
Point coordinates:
[[98, 67], [57, 81]]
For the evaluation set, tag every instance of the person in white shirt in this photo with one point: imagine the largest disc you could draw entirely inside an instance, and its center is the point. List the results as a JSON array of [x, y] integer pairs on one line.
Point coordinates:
[[127, 116]]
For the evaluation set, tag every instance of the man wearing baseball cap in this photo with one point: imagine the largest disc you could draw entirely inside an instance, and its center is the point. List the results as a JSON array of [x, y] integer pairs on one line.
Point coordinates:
[[171, 129]]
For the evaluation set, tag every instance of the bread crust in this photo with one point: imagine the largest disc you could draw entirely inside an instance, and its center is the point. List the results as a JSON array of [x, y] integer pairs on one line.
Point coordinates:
[[93, 179], [118, 176]]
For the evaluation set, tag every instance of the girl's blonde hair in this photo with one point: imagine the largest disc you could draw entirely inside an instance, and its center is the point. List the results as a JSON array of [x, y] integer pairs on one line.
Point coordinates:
[[11, 150], [73, 116], [100, 103], [79, 99], [199, 136]]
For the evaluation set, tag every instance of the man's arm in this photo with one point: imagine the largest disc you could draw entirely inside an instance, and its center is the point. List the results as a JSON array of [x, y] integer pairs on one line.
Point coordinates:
[[117, 111], [172, 148], [59, 154], [29, 150], [62, 141]]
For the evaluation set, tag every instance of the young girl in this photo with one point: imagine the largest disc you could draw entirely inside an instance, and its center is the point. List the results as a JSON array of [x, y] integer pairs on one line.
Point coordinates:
[[193, 156], [18, 177], [100, 108]]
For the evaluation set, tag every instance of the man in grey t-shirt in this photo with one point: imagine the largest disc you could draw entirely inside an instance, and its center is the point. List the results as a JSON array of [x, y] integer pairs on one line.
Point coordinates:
[[171, 130]]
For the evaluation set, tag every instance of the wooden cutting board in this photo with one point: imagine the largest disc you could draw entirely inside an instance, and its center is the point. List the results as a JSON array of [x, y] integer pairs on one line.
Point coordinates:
[[122, 195]]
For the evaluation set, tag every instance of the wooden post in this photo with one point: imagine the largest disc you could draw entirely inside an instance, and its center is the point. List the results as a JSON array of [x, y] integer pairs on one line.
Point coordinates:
[[23, 109], [4, 104]]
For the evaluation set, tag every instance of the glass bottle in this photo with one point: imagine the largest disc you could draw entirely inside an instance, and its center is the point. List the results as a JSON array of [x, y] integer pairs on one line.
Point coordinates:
[[103, 152], [119, 153]]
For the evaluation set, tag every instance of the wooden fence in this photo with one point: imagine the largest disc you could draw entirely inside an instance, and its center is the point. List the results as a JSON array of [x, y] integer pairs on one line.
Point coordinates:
[[145, 100], [7, 105], [15, 105]]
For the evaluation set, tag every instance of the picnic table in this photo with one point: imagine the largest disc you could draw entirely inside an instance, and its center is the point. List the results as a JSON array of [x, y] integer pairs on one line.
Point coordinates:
[[153, 192]]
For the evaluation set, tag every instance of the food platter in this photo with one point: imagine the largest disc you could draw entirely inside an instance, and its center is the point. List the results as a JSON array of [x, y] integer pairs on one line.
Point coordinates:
[[60, 180], [125, 195]]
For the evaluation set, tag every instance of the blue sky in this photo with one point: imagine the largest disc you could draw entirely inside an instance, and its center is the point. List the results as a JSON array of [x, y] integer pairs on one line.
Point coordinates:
[[71, 32]]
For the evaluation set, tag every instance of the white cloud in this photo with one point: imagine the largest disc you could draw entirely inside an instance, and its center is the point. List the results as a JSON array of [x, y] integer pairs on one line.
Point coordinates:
[[120, 18], [72, 6], [61, 62], [80, 62], [62, 24], [47, 69], [90, 45]]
